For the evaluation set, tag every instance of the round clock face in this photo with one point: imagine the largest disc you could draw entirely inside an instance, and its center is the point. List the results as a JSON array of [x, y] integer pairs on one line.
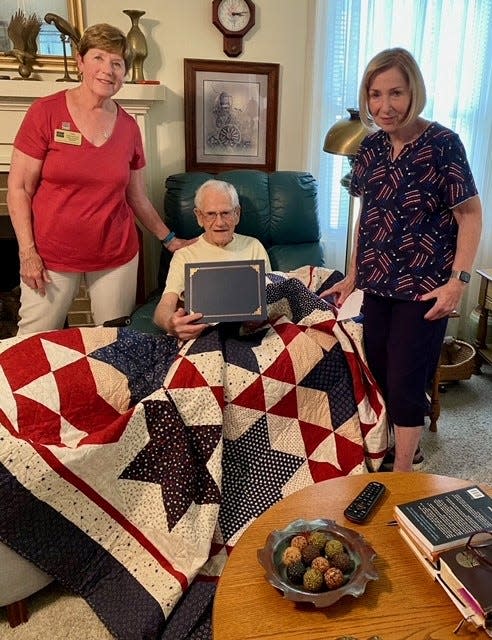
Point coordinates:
[[234, 15]]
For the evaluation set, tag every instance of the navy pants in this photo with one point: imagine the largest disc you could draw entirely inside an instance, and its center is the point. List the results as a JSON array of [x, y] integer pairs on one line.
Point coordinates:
[[403, 351]]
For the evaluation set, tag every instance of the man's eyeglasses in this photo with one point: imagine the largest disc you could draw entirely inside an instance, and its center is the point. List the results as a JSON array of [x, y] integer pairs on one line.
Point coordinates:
[[211, 216], [480, 546]]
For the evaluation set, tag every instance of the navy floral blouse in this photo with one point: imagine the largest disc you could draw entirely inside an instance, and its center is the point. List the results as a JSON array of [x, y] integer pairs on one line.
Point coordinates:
[[407, 232]]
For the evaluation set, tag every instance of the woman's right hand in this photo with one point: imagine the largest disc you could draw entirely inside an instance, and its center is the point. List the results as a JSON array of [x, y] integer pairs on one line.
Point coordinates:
[[341, 290], [32, 271]]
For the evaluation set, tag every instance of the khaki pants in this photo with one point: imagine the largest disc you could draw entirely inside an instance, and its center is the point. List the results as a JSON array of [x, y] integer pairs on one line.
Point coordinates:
[[112, 294]]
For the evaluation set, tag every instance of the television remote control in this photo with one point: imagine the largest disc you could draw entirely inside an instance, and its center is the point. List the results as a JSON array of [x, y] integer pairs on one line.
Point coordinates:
[[359, 509]]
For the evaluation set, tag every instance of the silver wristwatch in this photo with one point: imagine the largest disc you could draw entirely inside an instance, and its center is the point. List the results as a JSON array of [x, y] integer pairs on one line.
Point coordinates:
[[464, 276]]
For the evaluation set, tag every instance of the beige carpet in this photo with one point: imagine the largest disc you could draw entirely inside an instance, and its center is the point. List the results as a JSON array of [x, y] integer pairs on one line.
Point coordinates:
[[462, 447]]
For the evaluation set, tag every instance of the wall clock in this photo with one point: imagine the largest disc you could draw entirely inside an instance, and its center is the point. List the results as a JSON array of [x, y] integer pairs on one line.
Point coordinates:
[[233, 18]]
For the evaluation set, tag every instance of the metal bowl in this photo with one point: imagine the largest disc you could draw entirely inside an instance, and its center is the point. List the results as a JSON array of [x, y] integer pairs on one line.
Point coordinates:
[[362, 554]]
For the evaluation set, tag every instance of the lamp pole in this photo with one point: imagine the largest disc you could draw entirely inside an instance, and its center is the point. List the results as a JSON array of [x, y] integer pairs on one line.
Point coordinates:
[[344, 139]]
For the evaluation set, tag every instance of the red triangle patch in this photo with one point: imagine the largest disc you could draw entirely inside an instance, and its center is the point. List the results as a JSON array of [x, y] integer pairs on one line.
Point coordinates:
[[253, 397], [282, 369], [287, 331], [186, 375], [80, 404], [313, 435], [219, 395], [24, 362], [36, 422], [323, 471], [287, 407], [71, 338], [350, 453], [110, 432]]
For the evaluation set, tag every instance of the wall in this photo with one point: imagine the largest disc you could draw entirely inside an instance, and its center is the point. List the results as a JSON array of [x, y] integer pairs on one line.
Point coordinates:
[[184, 29]]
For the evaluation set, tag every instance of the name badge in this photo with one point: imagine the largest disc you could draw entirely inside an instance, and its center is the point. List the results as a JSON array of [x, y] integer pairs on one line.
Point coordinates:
[[68, 137]]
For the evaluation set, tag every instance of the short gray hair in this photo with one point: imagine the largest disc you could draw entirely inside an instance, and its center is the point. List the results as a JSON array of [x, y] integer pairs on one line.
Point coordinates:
[[406, 63], [219, 185]]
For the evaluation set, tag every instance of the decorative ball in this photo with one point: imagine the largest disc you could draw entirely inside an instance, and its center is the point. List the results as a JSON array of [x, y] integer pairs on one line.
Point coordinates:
[[291, 555], [342, 561], [332, 547], [299, 541], [333, 578], [296, 571], [313, 580], [318, 538], [320, 563], [309, 553]]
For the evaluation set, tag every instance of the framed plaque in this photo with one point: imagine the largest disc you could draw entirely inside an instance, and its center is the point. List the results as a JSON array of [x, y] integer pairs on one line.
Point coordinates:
[[233, 291]]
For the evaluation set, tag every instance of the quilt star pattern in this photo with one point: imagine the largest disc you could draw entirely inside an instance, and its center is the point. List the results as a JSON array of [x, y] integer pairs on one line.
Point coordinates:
[[131, 464]]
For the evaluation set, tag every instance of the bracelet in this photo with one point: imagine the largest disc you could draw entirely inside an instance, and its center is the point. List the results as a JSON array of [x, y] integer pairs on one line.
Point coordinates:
[[169, 238]]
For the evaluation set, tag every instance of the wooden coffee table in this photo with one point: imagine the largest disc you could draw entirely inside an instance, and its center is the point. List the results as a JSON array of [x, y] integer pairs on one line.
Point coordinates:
[[404, 603]]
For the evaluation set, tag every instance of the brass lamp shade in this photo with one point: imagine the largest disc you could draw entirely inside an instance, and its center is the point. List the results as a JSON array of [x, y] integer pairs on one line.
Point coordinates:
[[345, 136]]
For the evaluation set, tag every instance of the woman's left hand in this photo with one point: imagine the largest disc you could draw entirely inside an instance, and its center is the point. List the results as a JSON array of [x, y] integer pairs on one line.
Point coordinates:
[[447, 298], [179, 243]]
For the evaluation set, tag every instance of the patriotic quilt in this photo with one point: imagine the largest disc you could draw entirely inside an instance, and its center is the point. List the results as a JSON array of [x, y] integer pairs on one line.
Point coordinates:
[[131, 464]]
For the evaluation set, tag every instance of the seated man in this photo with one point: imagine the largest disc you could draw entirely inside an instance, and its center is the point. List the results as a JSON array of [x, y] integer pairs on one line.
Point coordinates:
[[217, 211]]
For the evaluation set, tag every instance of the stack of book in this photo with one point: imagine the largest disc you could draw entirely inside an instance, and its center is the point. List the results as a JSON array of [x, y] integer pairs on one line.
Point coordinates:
[[437, 529]]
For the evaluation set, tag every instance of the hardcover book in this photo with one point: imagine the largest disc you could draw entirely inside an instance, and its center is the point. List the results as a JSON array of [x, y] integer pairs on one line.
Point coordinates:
[[462, 598], [233, 291], [469, 579], [446, 520]]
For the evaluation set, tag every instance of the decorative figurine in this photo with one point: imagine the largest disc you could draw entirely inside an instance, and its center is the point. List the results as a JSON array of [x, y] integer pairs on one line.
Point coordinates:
[[67, 32], [23, 31], [137, 44]]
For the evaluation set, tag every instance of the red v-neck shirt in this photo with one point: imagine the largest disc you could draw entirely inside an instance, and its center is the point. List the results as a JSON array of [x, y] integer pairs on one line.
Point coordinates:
[[81, 218]]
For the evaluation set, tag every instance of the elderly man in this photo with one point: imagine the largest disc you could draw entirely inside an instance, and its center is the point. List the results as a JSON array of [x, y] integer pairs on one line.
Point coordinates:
[[217, 210]]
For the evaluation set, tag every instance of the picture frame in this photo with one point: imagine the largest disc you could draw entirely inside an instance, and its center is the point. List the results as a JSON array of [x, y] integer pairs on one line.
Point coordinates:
[[231, 113], [230, 291], [71, 10]]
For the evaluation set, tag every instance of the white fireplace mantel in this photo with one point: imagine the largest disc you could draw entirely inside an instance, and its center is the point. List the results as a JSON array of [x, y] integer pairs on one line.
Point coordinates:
[[17, 95]]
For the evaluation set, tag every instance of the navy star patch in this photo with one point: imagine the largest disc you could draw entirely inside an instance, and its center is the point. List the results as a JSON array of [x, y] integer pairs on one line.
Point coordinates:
[[176, 457], [143, 358], [253, 476], [331, 374]]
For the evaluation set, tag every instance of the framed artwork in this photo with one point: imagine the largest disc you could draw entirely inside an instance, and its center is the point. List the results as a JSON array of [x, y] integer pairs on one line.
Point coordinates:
[[231, 111]]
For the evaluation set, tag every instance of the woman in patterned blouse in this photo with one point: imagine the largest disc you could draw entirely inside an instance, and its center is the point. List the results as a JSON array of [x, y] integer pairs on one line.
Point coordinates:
[[415, 240]]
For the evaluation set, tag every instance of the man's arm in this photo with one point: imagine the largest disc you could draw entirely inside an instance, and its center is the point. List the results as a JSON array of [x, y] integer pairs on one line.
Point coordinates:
[[166, 307]]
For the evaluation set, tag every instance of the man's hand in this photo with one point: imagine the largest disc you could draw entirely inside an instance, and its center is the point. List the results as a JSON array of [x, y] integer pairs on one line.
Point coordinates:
[[184, 326], [447, 299]]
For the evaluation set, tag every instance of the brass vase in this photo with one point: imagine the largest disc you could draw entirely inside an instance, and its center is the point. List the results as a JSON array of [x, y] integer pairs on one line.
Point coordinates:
[[137, 44]]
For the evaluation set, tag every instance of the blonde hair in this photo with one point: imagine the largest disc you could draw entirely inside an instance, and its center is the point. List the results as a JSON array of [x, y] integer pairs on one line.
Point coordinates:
[[406, 63], [108, 38]]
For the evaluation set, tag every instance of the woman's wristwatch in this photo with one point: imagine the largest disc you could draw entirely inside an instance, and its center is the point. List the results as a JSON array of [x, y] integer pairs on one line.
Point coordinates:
[[168, 239], [464, 276]]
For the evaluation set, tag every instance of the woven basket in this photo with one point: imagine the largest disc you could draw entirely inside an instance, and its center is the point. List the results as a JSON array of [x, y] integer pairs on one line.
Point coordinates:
[[457, 360]]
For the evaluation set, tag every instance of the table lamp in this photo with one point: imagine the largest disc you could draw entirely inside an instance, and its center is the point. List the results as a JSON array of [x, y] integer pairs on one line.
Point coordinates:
[[343, 139]]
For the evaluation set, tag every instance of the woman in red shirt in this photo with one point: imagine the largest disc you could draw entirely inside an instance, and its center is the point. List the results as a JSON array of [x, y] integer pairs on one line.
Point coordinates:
[[75, 187]]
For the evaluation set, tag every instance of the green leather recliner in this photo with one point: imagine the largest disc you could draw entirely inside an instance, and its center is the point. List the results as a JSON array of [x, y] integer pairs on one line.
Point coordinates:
[[279, 208]]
